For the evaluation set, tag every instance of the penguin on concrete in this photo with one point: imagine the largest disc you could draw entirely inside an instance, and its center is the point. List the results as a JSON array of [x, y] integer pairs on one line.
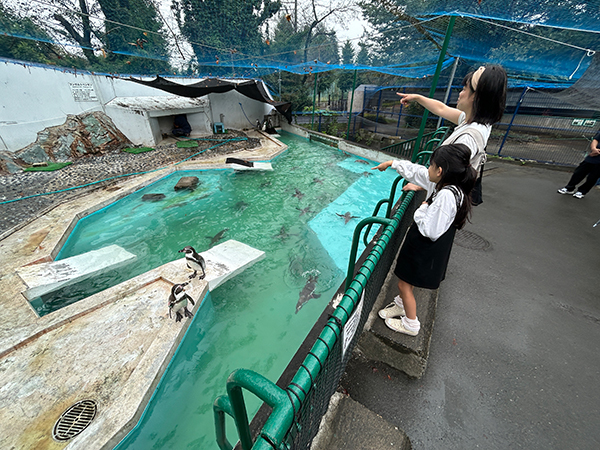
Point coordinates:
[[194, 262], [178, 300]]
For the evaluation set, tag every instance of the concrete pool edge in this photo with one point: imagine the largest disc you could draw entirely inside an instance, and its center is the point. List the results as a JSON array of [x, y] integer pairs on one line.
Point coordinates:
[[25, 336], [40, 240]]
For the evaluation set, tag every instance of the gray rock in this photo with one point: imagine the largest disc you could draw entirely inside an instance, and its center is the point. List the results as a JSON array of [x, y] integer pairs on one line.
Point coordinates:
[[187, 183], [153, 197], [33, 154]]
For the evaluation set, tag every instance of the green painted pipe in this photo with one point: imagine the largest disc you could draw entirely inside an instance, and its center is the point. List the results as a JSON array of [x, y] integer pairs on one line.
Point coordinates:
[[436, 77]]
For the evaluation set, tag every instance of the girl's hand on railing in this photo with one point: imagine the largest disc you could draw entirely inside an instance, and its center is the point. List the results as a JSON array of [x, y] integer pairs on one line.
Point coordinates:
[[384, 165], [412, 187]]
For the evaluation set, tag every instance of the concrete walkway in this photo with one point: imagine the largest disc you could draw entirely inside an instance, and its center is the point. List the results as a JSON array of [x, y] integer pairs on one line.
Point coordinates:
[[514, 360]]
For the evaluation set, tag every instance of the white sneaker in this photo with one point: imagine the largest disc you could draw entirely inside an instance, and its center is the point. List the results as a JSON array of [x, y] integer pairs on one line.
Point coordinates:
[[578, 195], [398, 325], [391, 310], [566, 191]]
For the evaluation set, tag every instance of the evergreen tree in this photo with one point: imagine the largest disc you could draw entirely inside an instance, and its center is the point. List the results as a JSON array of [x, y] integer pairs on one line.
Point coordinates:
[[221, 31], [346, 78], [24, 40]]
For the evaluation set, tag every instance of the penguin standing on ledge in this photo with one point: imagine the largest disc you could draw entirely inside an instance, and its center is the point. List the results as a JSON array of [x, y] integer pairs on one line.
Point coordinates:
[[178, 300], [194, 261]]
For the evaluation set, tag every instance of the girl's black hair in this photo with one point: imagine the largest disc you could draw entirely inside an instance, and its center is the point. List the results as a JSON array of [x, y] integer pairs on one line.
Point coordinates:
[[490, 95], [457, 174]]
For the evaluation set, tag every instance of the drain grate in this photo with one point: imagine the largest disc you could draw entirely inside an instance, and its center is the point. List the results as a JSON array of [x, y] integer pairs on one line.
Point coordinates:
[[74, 420], [472, 241]]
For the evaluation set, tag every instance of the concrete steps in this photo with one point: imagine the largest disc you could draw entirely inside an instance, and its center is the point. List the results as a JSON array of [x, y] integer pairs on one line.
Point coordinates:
[[350, 426]]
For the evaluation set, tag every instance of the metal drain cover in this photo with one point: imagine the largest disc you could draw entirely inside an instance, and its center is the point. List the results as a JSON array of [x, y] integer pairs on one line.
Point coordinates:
[[74, 420], [467, 239]]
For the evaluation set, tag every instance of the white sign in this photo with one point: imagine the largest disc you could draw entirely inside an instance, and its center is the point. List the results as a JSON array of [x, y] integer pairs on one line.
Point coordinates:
[[583, 123], [83, 92], [352, 325]]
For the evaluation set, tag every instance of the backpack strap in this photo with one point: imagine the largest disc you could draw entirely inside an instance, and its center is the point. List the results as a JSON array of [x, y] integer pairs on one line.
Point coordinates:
[[480, 158]]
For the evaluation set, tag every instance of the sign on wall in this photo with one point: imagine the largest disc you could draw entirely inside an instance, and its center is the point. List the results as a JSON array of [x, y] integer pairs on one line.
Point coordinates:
[[83, 92], [583, 123]]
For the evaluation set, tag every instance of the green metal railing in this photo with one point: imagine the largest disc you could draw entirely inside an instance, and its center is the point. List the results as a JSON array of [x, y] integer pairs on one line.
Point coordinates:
[[407, 149], [298, 409]]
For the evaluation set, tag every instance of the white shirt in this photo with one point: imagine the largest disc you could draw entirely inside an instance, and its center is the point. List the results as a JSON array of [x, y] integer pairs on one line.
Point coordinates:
[[435, 219], [468, 140]]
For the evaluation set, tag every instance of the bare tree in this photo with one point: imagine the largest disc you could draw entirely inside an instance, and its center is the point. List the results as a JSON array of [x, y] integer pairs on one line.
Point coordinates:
[[317, 13]]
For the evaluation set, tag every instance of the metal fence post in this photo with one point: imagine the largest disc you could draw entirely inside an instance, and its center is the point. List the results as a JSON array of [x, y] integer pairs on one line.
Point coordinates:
[[525, 89], [436, 76], [312, 120], [378, 107], [351, 105], [400, 113]]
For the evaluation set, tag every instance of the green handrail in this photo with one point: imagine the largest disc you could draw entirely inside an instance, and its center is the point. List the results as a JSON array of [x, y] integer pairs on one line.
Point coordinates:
[[405, 148], [287, 403], [222, 406], [390, 203], [283, 406], [356, 239]]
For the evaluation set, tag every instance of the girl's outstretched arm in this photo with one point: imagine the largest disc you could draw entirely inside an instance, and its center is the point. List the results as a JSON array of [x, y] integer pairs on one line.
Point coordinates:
[[432, 105], [383, 166]]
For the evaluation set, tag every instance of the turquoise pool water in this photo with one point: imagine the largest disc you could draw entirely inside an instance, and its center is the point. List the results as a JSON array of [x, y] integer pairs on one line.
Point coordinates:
[[293, 214]]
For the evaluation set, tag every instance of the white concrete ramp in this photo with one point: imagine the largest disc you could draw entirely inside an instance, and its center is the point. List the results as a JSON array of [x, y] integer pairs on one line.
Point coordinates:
[[47, 277], [228, 259]]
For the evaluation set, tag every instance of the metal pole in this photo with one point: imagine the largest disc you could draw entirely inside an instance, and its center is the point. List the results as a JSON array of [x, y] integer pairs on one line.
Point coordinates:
[[378, 107], [351, 104], [439, 122], [400, 114], [434, 84], [525, 89], [312, 120]]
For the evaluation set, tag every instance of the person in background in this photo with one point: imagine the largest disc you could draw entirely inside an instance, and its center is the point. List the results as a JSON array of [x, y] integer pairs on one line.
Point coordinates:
[[590, 167], [181, 126], [425, 252]]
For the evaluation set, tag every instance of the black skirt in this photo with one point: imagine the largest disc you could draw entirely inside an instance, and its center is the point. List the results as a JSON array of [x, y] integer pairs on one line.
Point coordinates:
[[423, 262]]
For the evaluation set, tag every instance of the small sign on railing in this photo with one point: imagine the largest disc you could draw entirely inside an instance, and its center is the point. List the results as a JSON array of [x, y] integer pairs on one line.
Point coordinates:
[[352, 325], [584, 123]]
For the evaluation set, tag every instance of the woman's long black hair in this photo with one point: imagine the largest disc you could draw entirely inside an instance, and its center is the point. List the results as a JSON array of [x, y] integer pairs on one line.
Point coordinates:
[[490, 96], [457, 173]]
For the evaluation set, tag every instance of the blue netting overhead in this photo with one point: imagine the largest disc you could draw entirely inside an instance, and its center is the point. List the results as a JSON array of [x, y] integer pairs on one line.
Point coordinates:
[[539, 43], [579, 15]]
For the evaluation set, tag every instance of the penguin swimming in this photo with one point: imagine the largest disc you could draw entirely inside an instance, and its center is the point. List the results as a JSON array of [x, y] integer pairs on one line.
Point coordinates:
[[347, 217], [178, 300], [298, 194], [217, 237], [307, 292], [194, 261], [305, 210]]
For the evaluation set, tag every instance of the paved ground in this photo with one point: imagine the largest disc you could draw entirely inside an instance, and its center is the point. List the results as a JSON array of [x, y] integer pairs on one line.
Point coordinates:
[[514, 360]]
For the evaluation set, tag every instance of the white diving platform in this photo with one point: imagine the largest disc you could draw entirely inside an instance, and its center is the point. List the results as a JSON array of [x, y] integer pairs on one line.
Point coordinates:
[[223, 261], [240, 164], [227, 260], [48, 277]]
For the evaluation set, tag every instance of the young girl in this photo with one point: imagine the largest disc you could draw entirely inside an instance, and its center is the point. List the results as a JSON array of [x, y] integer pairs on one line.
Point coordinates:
[[426, 249], [480, 104]]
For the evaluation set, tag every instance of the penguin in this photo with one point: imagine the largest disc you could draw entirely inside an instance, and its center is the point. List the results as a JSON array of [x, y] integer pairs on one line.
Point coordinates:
[[178, 300], [194, 261]]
